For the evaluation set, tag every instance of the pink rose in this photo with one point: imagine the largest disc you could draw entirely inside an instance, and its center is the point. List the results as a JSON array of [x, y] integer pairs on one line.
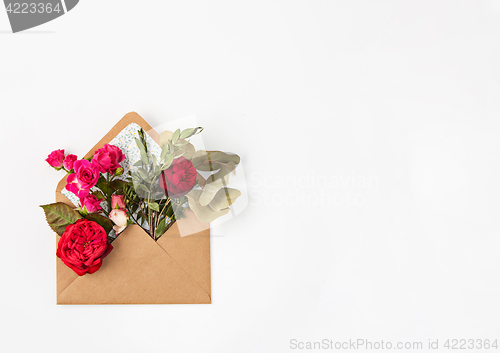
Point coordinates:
[[85, 176], [56, 158], [91, 204], [108, 158], [118, 201], [69, 160], [120, 219]]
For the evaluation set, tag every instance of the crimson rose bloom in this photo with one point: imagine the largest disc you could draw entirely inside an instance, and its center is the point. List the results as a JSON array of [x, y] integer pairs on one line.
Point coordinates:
[[85, 176], [108, 158], [82, 246], [179, 178]]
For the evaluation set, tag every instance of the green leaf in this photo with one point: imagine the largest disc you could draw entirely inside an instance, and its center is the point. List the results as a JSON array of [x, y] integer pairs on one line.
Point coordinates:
[[142, 149], [118, 184], [186, 133], [140, 186], [191, 132], [176, 135], [99, 195], [59, 216], [161, 228], [164, 151], [154, 206], [212, 160], [104, 222], [102, 184], [144, 175], [168, 162], [165, 137], [138, 163]]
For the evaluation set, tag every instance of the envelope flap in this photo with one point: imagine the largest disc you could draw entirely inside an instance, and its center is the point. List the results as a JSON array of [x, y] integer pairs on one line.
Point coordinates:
[[191, 252], [137, 271]]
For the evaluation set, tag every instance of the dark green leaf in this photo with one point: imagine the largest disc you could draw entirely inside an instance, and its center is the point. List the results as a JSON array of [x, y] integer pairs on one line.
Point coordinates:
[[59, 216], [161, 228], [118, 184], [104, 222]]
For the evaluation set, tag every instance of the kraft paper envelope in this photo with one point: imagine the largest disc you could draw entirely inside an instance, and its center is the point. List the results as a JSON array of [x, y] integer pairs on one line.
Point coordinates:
[[172, 270]]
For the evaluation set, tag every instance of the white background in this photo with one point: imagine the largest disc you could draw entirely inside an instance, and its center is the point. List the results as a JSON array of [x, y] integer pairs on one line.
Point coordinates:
[[394, 103]]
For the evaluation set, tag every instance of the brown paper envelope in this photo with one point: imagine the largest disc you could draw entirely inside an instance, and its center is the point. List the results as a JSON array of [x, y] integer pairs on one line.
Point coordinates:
[[173, 270]]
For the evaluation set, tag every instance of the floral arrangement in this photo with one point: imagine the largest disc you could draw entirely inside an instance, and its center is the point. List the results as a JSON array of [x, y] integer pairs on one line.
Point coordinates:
[[153, 193]]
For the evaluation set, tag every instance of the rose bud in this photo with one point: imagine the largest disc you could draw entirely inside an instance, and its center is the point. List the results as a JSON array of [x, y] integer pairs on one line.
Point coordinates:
[[120, 219], [55, 159], [119, 171], [108, 158], [118, 201], [82, 246], [179, 178], [68, 161], [90, 204], [85, 176]]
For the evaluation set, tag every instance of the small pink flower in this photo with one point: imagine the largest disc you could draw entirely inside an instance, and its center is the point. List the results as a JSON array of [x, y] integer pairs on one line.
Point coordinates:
[[120, 219], [85, 176], [91, 204], [108, 158], [69, 160], [56, 158], [75, 186], [118, 201]]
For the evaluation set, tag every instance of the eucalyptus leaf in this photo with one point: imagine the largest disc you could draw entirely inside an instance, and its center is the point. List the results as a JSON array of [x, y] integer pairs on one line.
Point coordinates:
[[168, 161], [200, 180], [204, 213], [176, 136], [212, 160], [59, 216], [164, 151], [165, 137], [144, 175], [224, 198], [186, 133], [214, 184], [191, 132], [140, 186]]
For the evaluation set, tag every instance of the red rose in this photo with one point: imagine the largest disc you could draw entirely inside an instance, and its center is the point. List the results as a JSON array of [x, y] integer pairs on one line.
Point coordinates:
[[179, 178], [82, 246], [108, 158]]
